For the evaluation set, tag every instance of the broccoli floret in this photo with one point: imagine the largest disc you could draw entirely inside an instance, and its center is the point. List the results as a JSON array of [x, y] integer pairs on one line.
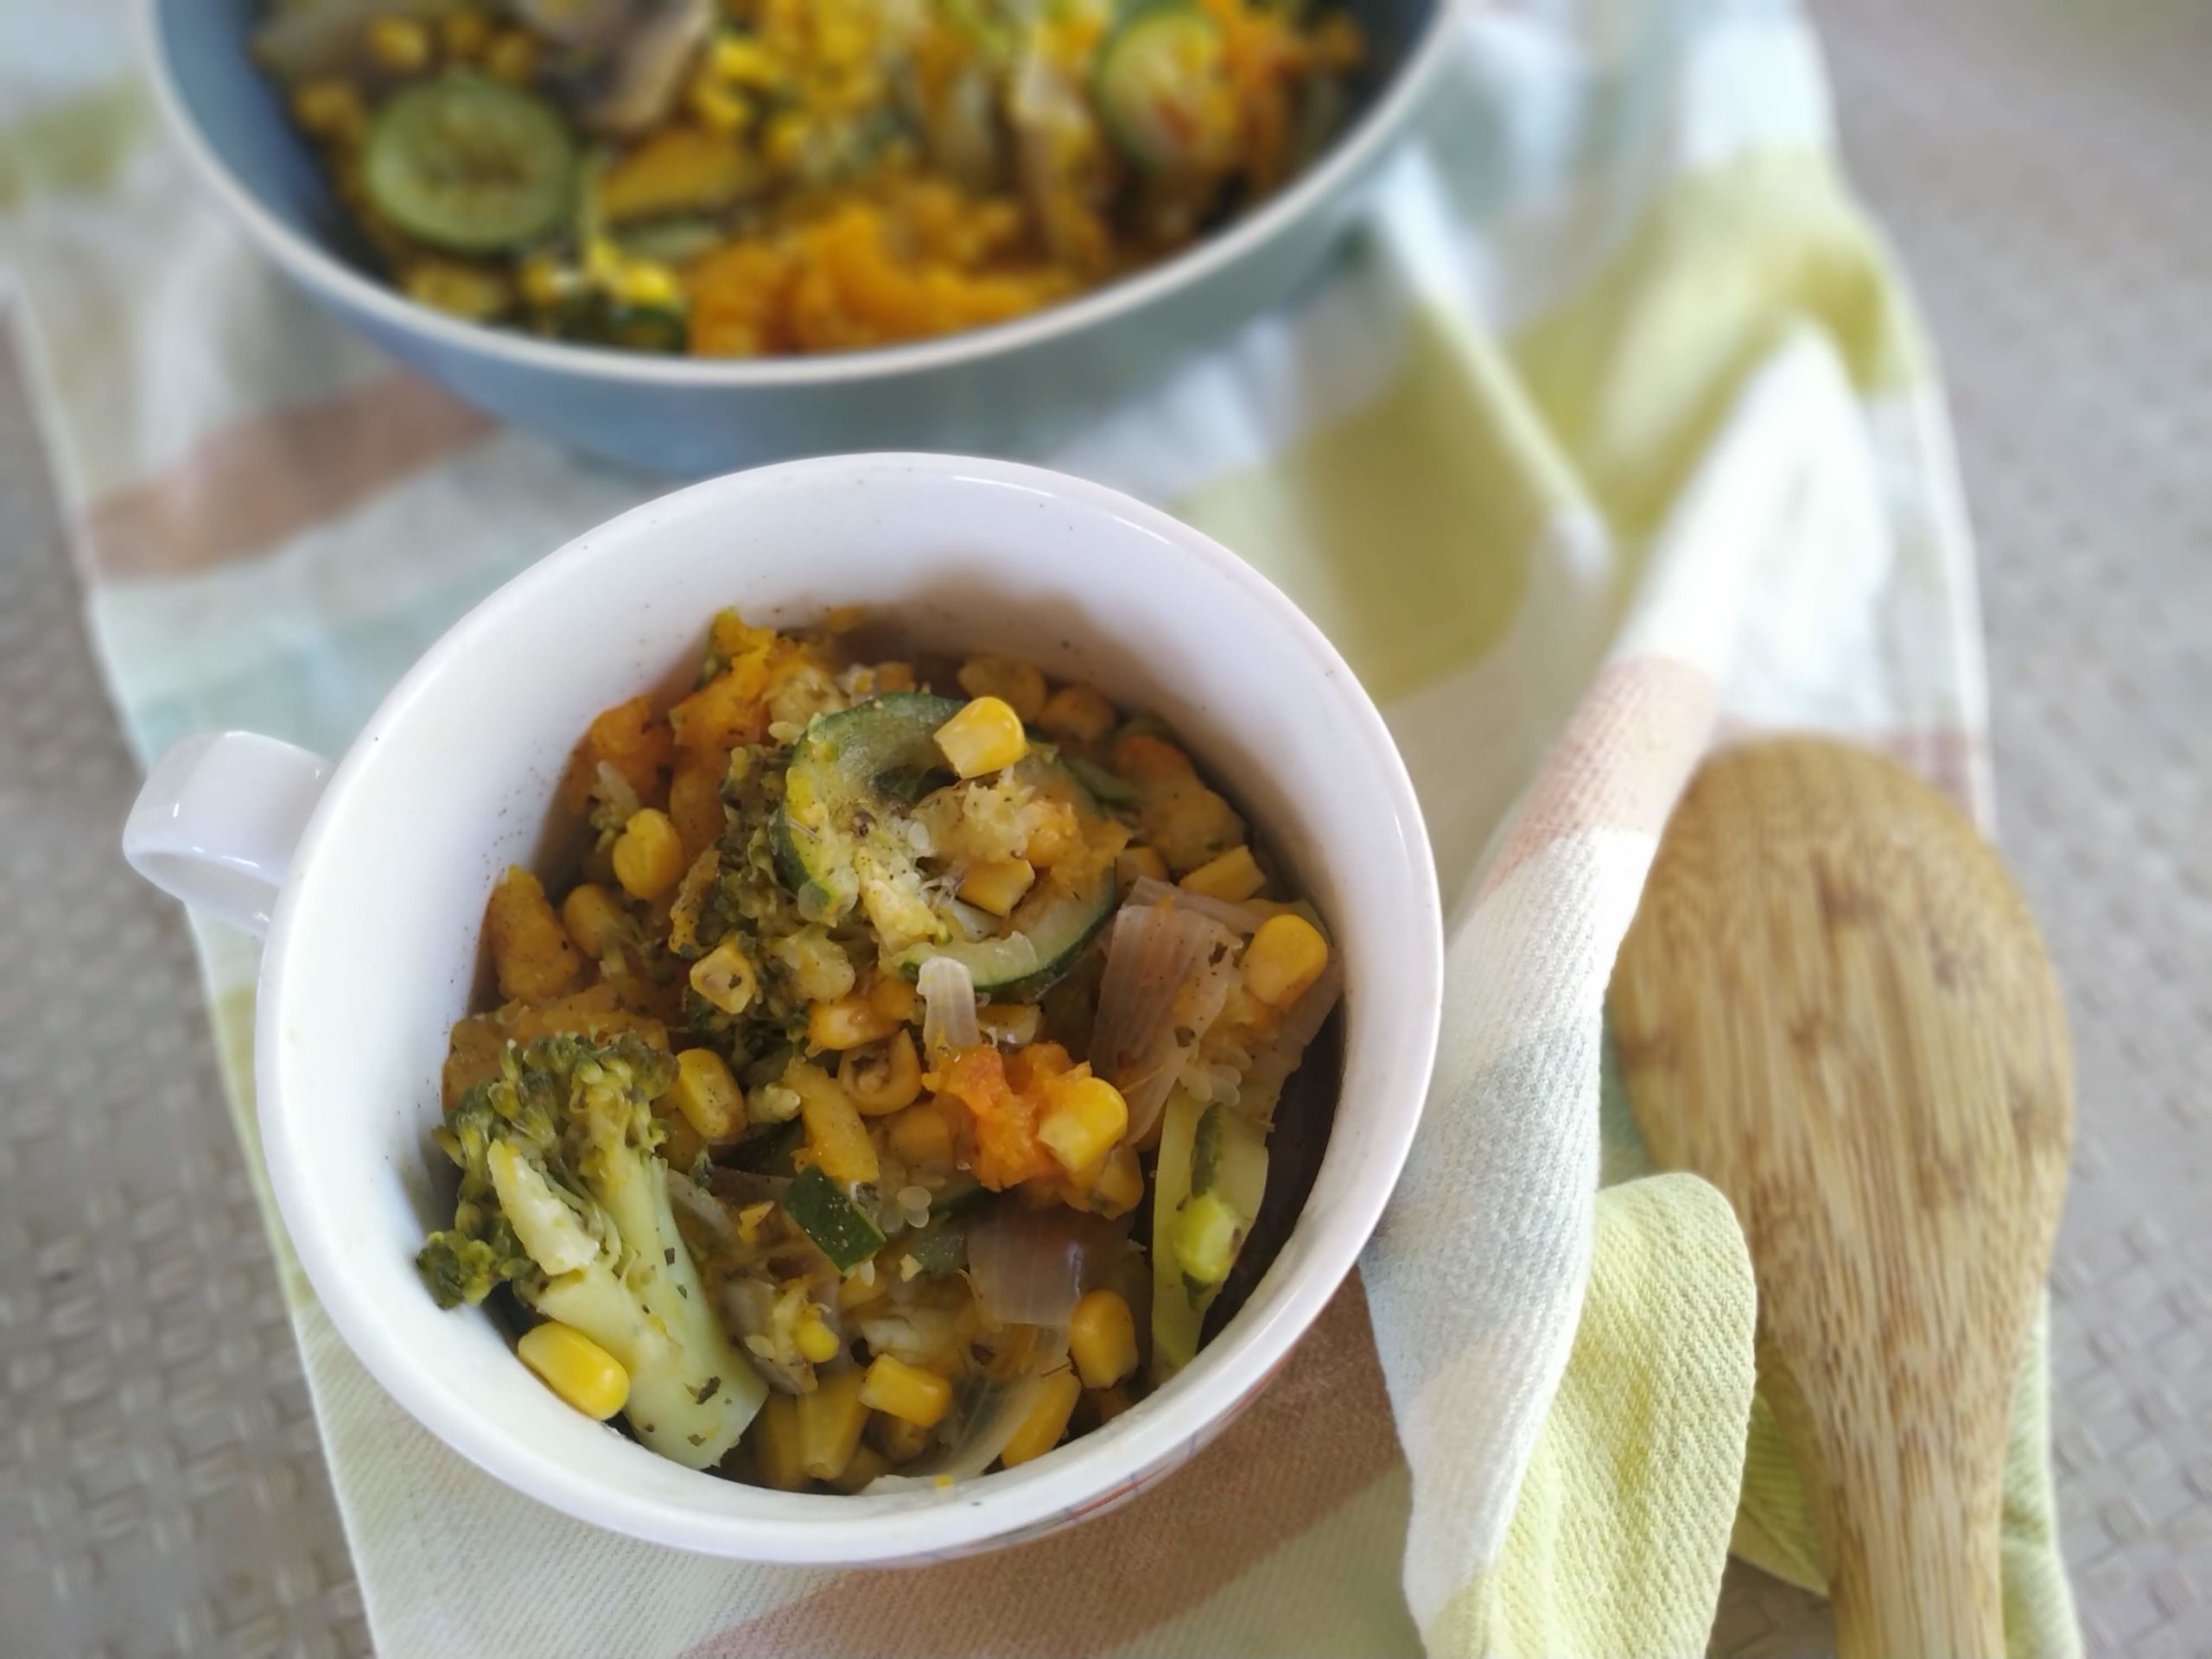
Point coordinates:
[[561, 1195]]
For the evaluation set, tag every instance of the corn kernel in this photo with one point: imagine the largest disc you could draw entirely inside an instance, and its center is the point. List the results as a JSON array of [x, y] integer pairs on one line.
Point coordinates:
[[465, 33], [1132, 864], [1019, 685], [575, 1367], [1047, 1419], [906, 1391], [982, 737], [1119, 1183], [816, 1341], [1010, 1025], [1086, 1117], [717, 108], [1234, 876], [596, 922], [1206, 1237], [746, 61], [1102, 1339], [884, 1081], [893, 996], [725, 977], [896, 1438], [831, 1418], [847, 1021], [920, 1136], [997, 884], [1076, 714], [648, 286], [776, 1444], [330, 109], [648, 854], [511, 57], [400, 46], [708, 1095], [784, 139], [868, 1465], [1111, 1403], [834, 1134], [1284, 959]]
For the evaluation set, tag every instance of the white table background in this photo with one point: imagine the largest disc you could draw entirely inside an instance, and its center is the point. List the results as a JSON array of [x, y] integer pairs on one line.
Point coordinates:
[[2046, 170]]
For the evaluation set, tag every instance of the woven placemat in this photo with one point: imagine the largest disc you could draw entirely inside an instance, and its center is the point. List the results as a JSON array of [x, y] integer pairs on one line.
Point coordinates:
[[2041, 167]]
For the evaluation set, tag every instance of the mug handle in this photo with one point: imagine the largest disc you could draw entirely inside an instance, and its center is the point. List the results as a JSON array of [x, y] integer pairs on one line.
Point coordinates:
[[217, 821]]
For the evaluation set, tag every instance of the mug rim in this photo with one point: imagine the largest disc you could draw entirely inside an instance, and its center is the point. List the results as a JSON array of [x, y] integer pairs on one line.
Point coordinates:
[[1090, 1472], [318, 268]]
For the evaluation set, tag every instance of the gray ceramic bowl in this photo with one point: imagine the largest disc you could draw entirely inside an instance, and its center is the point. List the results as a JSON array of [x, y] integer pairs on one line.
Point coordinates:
[[1013, 387]]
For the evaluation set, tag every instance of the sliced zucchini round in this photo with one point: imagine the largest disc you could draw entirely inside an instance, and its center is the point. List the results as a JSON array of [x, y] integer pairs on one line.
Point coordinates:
[[1162, 88], [853, 778], [469, 164]]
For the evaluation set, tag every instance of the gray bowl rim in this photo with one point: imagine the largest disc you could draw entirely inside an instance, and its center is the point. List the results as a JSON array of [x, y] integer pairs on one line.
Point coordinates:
[[322, 271]]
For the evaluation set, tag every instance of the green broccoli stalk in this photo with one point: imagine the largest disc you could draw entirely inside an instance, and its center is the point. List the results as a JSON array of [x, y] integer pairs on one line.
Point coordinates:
[[562, 1197]]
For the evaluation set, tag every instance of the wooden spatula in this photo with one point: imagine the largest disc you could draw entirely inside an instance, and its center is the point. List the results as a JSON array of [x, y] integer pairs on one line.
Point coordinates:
[[1834, 1005]]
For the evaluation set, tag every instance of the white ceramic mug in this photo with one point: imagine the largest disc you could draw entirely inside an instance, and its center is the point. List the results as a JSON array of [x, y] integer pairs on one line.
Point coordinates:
[[369, 880]]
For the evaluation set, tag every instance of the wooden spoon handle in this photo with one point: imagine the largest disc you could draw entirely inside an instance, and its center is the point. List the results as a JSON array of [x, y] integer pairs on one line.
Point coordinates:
[[1921, 1580]]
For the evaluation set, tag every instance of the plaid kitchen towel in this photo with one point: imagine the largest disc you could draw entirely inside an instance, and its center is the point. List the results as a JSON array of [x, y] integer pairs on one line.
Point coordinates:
[[1611, 430]]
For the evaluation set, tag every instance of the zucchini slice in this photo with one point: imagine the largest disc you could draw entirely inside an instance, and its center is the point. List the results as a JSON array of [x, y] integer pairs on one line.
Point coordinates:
[[469, 164], [1162, 88], [1211, 1177], [852, 780], [839, 1227]]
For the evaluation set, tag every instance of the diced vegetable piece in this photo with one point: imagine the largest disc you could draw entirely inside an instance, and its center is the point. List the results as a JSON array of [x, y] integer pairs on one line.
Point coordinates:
[[834, 1134], [906, 1391], [1076, 714], [886, 1079], [920, 1136], [899, 1440], [1086, 1116], [469, 165], [708, 1095], [1136, 864], [529, 948], [837, 1225], [1019, 685], [575, 1367], [1285, 958], [1111, 1403], [831, 1418], [1047, 1421], [776, 1447], [726, 978], [648, 854], [997, 884], [814, 1340], [596, 922], [679, 169], [850, 1022], [986, 736], [1234, 875], [1207, 1234], [1102, 1339]]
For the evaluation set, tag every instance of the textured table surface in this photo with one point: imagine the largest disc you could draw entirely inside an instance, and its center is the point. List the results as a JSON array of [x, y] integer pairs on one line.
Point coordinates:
[[2043, 168]]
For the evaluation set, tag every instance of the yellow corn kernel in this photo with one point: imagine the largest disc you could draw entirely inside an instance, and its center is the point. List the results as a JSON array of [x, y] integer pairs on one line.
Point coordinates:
[[648, 854], [1010, 1025], [400, 46], [834, 1134], [708, 1095], [596, 922], [1102, 1339], [896, 1438], [1019, 685], [717, 108], [1047, 1420], [920, 1136], [906, 1391], [330, 109], [893, 996], [1119, 1183], [867, 1463], [681, 1146], [776, 1444], [1206, 1238], [847, 1021], [1111, 1403], [1076, 714], [831, 1418], [464, 34], [997, 884], [1084, 1120], [883, 1081], [982, 737], [744, 61], [648, 286], [725, 977], [857, 1290], [816, 1340], [1284, 959], [1234, 876], [695, 805], [575, 1367], [1133, 864], [546, 283], [511, 57], [784, 139]]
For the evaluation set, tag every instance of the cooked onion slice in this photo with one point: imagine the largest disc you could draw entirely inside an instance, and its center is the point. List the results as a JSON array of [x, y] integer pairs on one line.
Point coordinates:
[[1168, 971]]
